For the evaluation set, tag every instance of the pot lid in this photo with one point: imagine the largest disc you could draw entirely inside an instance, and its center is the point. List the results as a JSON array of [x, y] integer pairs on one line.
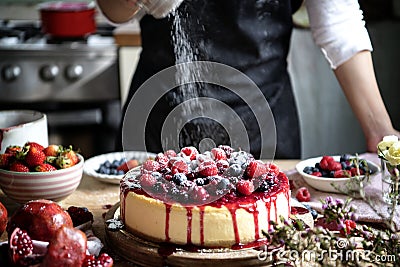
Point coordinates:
[[66, 6]]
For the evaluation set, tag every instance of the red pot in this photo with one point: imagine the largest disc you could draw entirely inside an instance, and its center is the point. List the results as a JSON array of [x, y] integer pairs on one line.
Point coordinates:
[[67, 19]]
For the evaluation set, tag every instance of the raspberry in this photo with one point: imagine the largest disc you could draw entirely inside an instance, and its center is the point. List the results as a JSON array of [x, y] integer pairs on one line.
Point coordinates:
[[162, 159], [150, 166], [170, 153], [303, 195], [323, 164], [341, 174], [147, 180], [334, 165], [208, 168], [255, 169], [318, 174], [199, 193], [222, 165], [350, 225], [190, 152], [245, 187], [179, 166], [218, 154], [272, 168]]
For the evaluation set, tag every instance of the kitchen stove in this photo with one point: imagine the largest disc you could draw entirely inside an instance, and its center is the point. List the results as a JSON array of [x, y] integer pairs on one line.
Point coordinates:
[[74, 81]]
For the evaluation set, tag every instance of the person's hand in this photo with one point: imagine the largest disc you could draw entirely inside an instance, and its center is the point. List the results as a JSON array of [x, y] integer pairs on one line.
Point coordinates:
[[373, 141]]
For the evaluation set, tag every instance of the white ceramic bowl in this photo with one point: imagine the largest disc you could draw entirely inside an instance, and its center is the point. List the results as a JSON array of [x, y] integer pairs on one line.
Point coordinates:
[[56, 185], [93, 164], [20, 126], [334, 185]]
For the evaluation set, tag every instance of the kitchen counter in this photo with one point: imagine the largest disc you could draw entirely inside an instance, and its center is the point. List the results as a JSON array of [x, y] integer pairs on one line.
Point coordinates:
[[99, 197]]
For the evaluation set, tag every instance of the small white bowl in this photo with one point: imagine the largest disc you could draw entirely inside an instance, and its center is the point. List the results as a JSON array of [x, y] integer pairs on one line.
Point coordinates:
[[93, 164], [333, 185], [20, 126], [55, 185]]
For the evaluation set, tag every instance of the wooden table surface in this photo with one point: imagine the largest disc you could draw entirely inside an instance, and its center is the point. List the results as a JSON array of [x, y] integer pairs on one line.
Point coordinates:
[[98, 197]]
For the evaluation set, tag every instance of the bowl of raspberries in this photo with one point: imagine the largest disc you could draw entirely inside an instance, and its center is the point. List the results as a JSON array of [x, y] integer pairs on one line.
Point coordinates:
[[337, 174], [32, 171]]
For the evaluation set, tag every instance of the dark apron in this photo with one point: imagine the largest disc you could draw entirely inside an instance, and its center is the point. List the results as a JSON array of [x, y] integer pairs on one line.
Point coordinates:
[[251, 36]]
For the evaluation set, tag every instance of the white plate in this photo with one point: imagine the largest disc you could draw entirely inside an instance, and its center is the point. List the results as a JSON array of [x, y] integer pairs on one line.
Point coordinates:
[[92, 165], [327, 184]]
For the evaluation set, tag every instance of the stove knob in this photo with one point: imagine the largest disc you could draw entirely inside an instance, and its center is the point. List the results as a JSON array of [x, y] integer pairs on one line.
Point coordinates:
[[74, 72], [49, 72], [11, 72]]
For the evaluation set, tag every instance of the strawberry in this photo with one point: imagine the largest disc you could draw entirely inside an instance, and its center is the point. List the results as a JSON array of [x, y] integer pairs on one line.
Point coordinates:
[[104, 260], [71, 154], [34, 157], [5, 160], [208, 168], [34, 144], [218, 154], [67, 159], [52, 150], [255, 169], [303, 195], [45, 167], [13, 150], [18, 166], [245, 187], [127, 165]]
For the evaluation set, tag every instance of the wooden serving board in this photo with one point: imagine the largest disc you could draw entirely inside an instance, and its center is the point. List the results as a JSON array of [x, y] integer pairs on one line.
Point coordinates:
[[146, 253]]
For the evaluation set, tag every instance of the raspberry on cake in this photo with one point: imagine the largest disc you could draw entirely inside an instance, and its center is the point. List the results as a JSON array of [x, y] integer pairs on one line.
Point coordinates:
[[219, 198]]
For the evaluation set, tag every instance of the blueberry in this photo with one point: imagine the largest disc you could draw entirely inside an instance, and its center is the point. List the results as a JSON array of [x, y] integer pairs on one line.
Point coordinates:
[[107, 164], [200, 181], [234, 170], [308, 169], [332, 174], [120, 172], [314, 214], [263, 187], [223, 184], [345, 157], [113, 172], [157, 175], [179, 178]]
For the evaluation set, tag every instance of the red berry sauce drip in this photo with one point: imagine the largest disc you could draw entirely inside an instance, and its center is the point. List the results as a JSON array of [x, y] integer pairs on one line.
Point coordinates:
[[189, 225], [298, 210], [202, 208], [168, 212]]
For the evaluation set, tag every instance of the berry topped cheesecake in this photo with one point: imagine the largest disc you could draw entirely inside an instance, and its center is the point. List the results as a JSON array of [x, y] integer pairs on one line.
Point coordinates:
[[219, 198]]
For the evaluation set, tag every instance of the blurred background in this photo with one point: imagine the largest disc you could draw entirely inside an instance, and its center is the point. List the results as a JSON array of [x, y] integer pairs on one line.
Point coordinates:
[[90, 118]]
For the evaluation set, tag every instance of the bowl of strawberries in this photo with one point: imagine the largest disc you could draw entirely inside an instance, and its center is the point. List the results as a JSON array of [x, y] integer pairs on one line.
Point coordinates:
[[337, 174], [33, 171]]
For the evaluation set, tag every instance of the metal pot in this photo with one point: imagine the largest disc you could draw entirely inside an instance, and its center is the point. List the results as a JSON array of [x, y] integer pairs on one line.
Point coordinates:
[[68, 19]]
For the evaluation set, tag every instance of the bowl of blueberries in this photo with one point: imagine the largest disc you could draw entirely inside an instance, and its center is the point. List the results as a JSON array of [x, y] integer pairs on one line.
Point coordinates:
[[337, 174], [111, 167]]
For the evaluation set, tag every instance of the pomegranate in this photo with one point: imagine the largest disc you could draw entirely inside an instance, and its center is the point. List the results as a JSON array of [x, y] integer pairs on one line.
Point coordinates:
[[66, 249], [21, 249], [40, 218], [3, 218]]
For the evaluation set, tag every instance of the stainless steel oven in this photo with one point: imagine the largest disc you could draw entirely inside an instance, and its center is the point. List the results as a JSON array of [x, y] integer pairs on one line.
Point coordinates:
[[74, 81]]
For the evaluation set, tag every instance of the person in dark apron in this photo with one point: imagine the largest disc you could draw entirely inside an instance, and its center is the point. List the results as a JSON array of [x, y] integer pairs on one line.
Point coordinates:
[[251, 36], [259, 50]]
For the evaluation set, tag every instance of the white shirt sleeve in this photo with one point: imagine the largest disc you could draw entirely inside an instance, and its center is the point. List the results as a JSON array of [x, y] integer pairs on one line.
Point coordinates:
[[338, 27]]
